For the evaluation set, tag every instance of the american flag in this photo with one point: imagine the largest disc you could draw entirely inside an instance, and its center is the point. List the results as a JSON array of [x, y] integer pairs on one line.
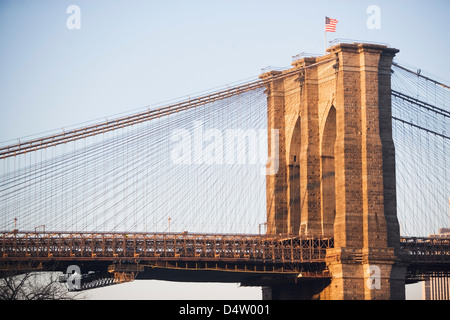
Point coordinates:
[[330, 24]]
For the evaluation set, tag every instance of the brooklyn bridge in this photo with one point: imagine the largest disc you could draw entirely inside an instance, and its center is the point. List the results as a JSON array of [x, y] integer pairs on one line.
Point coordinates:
[[324, 180]]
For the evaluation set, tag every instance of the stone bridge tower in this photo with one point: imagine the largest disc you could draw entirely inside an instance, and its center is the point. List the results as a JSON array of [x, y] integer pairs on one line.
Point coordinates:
[[336, 174]]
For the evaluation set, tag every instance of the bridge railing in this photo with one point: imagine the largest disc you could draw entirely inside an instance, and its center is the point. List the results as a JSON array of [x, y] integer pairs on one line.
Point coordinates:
[[426, 250], [352, 41], [163, 246], [67, 246]]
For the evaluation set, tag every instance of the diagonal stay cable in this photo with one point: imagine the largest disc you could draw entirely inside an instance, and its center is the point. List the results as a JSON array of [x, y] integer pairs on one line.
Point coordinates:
[[421, 104], [125, 121], [421, 128], [421, 76]]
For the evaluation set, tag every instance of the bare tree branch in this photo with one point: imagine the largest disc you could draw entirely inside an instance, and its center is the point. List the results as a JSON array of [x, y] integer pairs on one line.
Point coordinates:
[[34, 286]]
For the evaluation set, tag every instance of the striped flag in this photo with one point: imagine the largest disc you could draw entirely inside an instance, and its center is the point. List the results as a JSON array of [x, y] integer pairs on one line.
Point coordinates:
[[330, 24]]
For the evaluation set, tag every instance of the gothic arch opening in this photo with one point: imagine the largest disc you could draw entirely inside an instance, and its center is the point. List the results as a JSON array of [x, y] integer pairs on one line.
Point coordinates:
[[328, 208], [294, 180]]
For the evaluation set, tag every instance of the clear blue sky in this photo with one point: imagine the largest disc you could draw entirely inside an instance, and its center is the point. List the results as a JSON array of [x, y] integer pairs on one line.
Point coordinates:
[[131, 54]]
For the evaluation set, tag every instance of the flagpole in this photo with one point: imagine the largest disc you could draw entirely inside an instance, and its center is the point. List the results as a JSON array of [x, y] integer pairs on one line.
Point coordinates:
[[325, 34], [330, 25]]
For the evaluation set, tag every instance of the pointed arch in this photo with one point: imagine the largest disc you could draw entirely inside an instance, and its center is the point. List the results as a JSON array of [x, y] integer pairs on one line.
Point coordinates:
[[328, 207], [294, 180]]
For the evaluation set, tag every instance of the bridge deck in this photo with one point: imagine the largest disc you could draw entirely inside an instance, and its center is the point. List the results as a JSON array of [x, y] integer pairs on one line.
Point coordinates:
[[199, 257], [161, 246]]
